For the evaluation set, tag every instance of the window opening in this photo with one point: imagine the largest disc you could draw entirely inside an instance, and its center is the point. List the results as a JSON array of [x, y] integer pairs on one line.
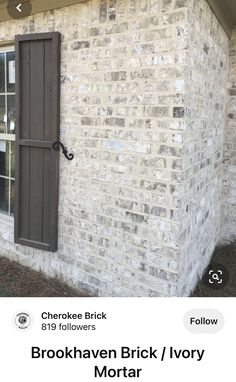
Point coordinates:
[[7, 130]]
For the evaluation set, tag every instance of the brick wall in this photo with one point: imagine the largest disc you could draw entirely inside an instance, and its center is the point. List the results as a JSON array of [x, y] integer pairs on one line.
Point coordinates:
[[142, 109], [229, 185], [206, 82]]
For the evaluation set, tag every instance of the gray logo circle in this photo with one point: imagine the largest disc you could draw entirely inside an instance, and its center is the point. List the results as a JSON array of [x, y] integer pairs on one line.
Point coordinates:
[[22, 320]]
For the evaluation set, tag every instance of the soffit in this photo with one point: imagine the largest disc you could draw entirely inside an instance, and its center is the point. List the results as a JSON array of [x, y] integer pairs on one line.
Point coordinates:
[[225, 11], [37, 6]]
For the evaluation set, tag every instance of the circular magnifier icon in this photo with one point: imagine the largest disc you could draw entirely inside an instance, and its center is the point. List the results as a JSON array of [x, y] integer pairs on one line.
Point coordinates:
[[215, 277]]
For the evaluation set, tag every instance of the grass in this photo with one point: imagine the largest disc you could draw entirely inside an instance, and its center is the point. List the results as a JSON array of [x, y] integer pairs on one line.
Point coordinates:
[[19, 281]]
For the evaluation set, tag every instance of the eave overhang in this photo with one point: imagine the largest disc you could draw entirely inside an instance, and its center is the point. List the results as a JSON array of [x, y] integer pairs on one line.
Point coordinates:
[[225, 11], [37, 6]]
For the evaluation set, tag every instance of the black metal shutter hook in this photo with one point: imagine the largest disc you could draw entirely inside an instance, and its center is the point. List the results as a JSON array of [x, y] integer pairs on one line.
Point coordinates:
[[56, 146]]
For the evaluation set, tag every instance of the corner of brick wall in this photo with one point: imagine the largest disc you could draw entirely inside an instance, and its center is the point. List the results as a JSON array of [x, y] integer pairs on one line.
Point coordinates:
[[206, 82], [228, 234], [122, 114], [142, 108]]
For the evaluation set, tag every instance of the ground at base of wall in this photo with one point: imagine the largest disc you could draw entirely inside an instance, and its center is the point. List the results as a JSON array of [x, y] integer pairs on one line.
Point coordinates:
[[19, 281], [226, 256]]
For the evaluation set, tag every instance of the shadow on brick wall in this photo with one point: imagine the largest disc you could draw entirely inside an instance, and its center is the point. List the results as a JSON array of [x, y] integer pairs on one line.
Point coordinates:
[[223, 258]]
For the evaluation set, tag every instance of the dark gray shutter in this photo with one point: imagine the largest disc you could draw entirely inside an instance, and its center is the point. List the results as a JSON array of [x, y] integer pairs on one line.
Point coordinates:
[[37, 127]]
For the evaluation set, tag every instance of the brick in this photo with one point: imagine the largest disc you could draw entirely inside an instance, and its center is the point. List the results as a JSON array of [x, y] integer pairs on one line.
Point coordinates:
[[80, 45], [178, 112], [94, 32], [142, 108], [111, 9], [116, 76], [206, 48], [168, 150], [113, 145], [173, 18], [144, 73], [158, 163], [103, 10], [136, 218], [139, 147], [180, 3], [232, 92], [157, 111], [153, 186], [159, 211], [119, 122], [117, 28]]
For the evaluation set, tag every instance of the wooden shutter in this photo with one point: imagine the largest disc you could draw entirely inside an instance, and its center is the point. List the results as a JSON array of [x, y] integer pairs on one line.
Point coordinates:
[[37, 127]]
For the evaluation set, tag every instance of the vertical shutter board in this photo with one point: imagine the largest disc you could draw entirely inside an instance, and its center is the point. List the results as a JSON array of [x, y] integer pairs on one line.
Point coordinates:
[[19, 230], [37, 85], [25, 95], [46, 201], [48, 91], [38, 78], [55, 81], [36, 195], [24, 191], [55, 121]]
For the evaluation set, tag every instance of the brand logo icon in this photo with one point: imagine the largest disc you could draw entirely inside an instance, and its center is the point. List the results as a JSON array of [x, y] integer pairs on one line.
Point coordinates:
[[22, 320]]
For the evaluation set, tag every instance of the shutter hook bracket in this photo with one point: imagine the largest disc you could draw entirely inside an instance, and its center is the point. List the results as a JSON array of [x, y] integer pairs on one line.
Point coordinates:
[[56, 146]]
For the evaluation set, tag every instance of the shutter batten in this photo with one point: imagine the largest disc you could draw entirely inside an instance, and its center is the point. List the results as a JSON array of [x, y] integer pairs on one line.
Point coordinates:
[[37, 127]]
